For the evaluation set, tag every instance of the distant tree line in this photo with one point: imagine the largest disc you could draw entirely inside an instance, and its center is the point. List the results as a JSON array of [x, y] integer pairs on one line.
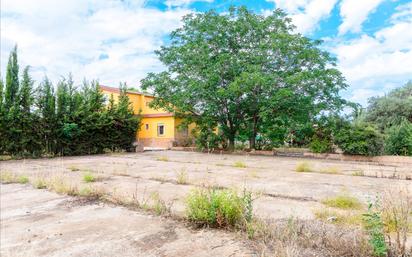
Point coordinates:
[[62, 119]]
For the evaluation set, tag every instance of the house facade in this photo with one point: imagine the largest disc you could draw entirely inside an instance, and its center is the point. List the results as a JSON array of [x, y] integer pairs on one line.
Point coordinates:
[[158, 128]]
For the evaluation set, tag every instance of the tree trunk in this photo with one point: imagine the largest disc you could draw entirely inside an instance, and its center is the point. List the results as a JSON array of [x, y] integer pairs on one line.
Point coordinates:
[[252, 139], [231, 146]]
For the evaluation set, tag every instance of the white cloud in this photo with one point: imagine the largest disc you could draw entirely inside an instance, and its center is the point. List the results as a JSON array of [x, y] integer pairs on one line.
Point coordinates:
[[306, 14], [376, 63], [70, 36], [180, 3], [354, 13]]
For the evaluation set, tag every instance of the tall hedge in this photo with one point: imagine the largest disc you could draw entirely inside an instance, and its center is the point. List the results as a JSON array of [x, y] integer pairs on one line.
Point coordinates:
[[61, 120]]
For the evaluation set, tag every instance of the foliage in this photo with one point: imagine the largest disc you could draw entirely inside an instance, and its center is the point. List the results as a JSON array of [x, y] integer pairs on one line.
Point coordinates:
[[70, 120], [219, 208], [391, 109], [399, 139], [374, 227], [318, 145], [245, 73], [360, 139]]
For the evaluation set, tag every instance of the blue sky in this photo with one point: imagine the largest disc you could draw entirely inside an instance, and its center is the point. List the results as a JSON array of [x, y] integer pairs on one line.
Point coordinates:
[[114, 40]]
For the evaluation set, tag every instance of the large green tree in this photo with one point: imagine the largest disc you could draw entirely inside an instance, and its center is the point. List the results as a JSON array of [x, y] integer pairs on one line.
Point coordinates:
[[391, 109], [246, 73]]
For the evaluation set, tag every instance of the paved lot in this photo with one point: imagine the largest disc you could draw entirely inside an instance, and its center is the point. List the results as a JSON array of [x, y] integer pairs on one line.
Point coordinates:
[[41, 223], [283, 191]]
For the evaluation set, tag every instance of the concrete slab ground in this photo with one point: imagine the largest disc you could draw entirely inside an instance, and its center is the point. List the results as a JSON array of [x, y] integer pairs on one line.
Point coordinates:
[[41, 223]]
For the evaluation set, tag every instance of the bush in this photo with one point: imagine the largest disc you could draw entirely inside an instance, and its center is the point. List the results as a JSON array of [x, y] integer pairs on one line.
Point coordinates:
[[319, 145], [88, 177], [374, 227], [360, 139], [219, 208], [399, 140]]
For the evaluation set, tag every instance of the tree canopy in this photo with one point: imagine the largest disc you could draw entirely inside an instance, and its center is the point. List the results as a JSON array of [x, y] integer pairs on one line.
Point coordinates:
[[391, 109], [245, 73]]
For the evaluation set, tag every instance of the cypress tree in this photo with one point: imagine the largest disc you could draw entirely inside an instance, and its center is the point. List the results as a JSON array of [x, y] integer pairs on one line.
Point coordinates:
[[29, 143], [12, 80], [127, 122], [46, 108], [2, 118]]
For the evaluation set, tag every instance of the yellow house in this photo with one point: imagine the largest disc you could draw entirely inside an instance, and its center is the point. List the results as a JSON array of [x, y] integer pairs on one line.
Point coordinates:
[[159, 128]]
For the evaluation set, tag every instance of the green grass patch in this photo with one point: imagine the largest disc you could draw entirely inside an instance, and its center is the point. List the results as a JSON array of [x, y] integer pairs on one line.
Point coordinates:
[[22, 179], [303, 167], [343, 202], [239, 164], [219, 208], [88, 177]]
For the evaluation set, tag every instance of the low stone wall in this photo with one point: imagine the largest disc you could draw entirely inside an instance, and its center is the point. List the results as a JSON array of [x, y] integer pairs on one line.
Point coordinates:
[[304, 153], [156, 142], [359, 158]]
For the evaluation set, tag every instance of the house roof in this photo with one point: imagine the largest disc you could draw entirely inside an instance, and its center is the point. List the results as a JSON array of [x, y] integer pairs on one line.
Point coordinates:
[[116, 90]]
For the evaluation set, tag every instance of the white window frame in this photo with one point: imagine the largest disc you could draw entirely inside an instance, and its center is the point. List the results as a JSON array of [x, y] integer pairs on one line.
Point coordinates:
[[158, 129]]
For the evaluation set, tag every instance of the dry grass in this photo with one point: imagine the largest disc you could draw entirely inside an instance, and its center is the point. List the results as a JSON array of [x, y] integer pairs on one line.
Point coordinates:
[[162, 158], [396, 212], [73, 168], [295, 238], [7, 177], [181, 177], [40, 183], [60, 186], [253, 174], [339, 217], [359, 173], [343, 201], [303, 167], [5, 157], [239, 164], [331, 170]]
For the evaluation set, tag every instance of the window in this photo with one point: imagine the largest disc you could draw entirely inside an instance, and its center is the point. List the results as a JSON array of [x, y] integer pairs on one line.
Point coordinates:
[[147, 126], [160, 130], [148, 101]]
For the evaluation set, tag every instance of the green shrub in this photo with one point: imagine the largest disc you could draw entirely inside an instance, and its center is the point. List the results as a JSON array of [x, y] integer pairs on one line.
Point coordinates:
[[399, 140], [374, 226], [219, 208], [88, 177], [319, 145], [360, 139]]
